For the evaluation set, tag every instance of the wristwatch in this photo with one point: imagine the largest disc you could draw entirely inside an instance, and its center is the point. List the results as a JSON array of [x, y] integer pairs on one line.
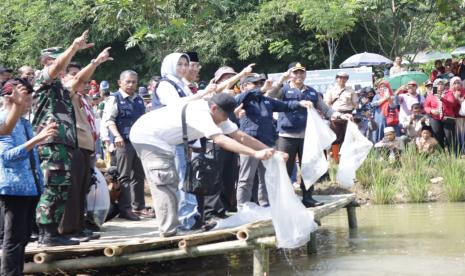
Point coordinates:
[[94, 62]]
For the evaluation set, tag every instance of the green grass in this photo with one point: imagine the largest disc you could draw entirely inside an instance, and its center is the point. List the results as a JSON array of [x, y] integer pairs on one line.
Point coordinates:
[[453, 172], [384, 187], [413, 174]]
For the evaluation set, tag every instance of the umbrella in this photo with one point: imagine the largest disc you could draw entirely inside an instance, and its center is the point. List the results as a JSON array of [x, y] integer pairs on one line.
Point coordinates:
[[365, 59], [459, 51], [425, 57], [405, 77]]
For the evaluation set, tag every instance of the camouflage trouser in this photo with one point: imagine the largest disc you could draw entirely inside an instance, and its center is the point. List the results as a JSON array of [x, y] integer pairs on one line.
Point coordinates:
[[56, 166]]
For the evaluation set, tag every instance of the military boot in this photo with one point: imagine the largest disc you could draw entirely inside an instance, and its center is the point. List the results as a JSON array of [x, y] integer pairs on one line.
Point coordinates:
[[307, 199], [51, 237]]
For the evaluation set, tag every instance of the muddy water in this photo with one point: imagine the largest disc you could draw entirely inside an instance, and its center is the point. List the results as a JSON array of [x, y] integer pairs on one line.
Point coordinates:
[[421, 239]]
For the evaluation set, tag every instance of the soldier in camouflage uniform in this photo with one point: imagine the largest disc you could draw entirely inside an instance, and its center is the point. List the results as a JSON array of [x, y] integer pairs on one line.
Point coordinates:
[[54, 105]]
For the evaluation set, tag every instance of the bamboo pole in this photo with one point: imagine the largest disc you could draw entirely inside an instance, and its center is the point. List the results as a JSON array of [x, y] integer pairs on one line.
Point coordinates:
[[257, 230], [41, 258], [118, 250], [189, 242], [261, 261], [149, 256]]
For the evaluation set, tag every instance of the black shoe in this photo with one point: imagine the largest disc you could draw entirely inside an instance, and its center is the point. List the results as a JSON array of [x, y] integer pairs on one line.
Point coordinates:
[[34, 237], [209, 225], [310, 202], [78, 237], [57, 240], [129, 215], [91, 225], [199, 222], [185, 232], [90, 234]]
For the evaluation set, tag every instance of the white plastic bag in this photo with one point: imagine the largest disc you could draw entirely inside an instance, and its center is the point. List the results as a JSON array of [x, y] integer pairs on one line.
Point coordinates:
[[248, 213], [98, 199], [318, 137], [292, 222], [354, 151]]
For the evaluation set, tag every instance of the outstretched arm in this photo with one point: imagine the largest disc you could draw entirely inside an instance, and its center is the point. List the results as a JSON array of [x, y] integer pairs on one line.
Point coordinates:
[[64, 59], [86, 73]]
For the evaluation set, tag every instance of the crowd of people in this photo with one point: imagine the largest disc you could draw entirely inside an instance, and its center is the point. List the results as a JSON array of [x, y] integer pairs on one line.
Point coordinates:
[[56, 123]]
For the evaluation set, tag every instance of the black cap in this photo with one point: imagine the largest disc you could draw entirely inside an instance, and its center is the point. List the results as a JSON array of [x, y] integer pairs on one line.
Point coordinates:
[[226, 102], [253, 78], [193, 56], [296, 66]]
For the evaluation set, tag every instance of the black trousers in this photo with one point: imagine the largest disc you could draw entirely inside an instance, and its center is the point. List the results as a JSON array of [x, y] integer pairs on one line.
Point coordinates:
[[131, 178], [445, 134], [81, 173], [224, 199], [293, 147], [19, 213]]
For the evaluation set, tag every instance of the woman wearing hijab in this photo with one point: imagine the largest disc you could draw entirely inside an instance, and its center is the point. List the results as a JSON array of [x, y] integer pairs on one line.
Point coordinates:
[[382, 102], [457, 95], [172, 90], [441, 106]]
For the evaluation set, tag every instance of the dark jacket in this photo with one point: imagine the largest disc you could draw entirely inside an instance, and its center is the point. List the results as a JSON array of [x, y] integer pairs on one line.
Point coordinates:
[[128, 113], [296, 120], [258, 121]]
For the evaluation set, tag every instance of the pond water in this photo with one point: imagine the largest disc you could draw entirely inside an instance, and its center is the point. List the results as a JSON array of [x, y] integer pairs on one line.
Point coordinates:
[[411, 239]]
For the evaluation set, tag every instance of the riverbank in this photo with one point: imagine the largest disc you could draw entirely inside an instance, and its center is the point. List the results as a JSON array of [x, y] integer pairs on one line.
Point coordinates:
[[413, 178]]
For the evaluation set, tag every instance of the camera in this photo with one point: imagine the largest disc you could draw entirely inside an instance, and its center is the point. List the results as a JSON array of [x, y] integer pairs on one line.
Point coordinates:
[[435, 90], [24, 82]]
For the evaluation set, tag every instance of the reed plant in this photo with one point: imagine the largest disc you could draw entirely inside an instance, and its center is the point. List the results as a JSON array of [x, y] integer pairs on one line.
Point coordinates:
[[365, 171], [413, 174], [384, 187], [453, 173]]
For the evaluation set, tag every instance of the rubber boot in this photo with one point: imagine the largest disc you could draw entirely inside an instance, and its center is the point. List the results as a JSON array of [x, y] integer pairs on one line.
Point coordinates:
[[52, 238], [307, 199], [335, 152]]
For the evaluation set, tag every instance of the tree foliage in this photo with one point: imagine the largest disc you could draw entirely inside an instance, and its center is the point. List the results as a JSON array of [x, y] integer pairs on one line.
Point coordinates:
[[271, 33]]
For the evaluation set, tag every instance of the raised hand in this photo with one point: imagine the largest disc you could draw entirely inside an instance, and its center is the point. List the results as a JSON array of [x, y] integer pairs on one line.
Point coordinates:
[[18, 95], [104, 56], [81, 42], [248, 70], [239, 111]]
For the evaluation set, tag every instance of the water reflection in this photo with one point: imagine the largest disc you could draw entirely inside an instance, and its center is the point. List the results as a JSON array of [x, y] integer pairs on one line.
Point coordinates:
[[420, 239]]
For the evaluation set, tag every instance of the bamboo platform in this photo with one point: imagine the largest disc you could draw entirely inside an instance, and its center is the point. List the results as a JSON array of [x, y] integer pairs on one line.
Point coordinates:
[[125, 242]]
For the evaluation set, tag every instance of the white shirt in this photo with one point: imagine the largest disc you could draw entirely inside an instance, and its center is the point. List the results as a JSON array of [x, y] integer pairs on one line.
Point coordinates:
[[168, 94], [163, 127], [405, 101]]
